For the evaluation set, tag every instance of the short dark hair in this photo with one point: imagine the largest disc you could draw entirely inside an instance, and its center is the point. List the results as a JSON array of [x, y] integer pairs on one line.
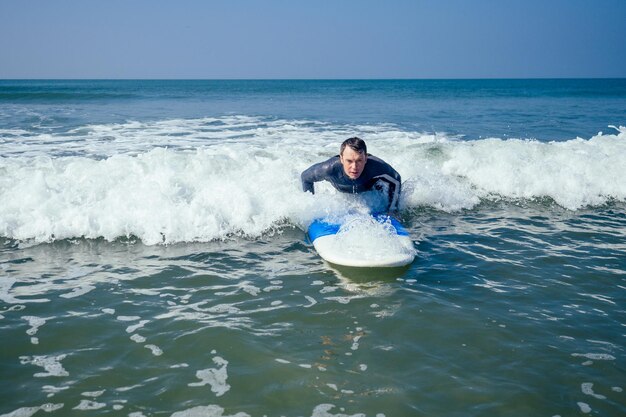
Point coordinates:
[[356, 144]]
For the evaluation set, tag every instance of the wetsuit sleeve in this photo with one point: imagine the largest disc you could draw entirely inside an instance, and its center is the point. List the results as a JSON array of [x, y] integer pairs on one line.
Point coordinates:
[[394, 193], [394, 181], [315, 173]]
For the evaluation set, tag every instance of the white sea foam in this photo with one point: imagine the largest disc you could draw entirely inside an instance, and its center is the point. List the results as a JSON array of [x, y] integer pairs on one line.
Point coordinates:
[[35, 323], [180, 365], [7, 294], [205, 179], [206, 411], [365, 236], [323, 410], [50, 407], [215, 377], [574, 173], [93, 394], [587, 388], [156, 351], [124, 389], [595, 356], [29, 411], [51, 390], [128, 318], [584, 407], [134, 327], [51, 364], [22, 412], [251, 289], [137, 338], [89, 405], [312, 301], [77, 292]]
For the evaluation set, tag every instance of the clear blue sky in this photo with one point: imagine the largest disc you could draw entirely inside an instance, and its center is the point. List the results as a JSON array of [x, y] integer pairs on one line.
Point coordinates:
[[312, 39]]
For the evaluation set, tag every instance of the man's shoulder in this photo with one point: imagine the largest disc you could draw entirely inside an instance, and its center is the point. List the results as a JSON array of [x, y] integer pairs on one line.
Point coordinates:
[[324, 168], [377, 166], [330, 163], [377, 162], [374, 158]]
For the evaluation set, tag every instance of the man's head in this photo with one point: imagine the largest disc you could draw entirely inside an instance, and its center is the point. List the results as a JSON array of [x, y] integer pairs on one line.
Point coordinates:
[[353, 156]]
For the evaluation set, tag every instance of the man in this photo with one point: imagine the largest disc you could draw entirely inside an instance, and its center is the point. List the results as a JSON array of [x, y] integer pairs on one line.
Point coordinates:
[[355, 171]]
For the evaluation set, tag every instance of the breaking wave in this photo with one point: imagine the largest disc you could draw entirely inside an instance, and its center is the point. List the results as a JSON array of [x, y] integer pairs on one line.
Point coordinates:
[[205, 179]]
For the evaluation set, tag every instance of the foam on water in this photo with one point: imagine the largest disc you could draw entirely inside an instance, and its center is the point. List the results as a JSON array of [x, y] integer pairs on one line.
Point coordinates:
[[321, 410], [89, 405], [204, 179], [29, 411], [51, 364], [365, 236], [215, 377]]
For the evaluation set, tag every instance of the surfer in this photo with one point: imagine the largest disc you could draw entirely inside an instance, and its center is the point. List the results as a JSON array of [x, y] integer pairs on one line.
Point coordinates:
[[355, 171]]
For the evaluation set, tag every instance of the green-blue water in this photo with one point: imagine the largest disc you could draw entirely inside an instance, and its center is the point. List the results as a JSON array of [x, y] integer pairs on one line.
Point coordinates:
[[153, 260]]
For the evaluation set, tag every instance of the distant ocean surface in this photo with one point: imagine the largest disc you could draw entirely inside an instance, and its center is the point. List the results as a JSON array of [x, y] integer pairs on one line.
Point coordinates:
[[153, 259]]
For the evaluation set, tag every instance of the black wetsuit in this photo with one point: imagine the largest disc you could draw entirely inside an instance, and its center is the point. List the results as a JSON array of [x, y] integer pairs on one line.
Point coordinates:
[[375, 171]]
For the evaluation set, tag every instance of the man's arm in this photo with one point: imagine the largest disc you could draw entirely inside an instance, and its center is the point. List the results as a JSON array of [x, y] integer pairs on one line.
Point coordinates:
[[317, 172], [394, 188], [385, 173]]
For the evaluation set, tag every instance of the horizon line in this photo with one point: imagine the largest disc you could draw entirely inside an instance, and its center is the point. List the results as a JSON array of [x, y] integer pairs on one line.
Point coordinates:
[[312, 79]]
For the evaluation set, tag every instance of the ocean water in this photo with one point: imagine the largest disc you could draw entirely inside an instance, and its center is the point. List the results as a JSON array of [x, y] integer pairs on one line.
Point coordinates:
[[153, 259]]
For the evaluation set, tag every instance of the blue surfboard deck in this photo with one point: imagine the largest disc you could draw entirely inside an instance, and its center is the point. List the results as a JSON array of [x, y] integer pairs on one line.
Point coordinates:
[[324, 234], [322, 227]]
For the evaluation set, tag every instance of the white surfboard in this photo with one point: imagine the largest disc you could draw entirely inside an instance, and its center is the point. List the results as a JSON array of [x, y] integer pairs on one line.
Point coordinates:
[[362, 240]]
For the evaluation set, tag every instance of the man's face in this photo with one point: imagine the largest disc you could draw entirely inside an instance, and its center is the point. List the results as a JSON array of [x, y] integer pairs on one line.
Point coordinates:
[[353, 162]]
